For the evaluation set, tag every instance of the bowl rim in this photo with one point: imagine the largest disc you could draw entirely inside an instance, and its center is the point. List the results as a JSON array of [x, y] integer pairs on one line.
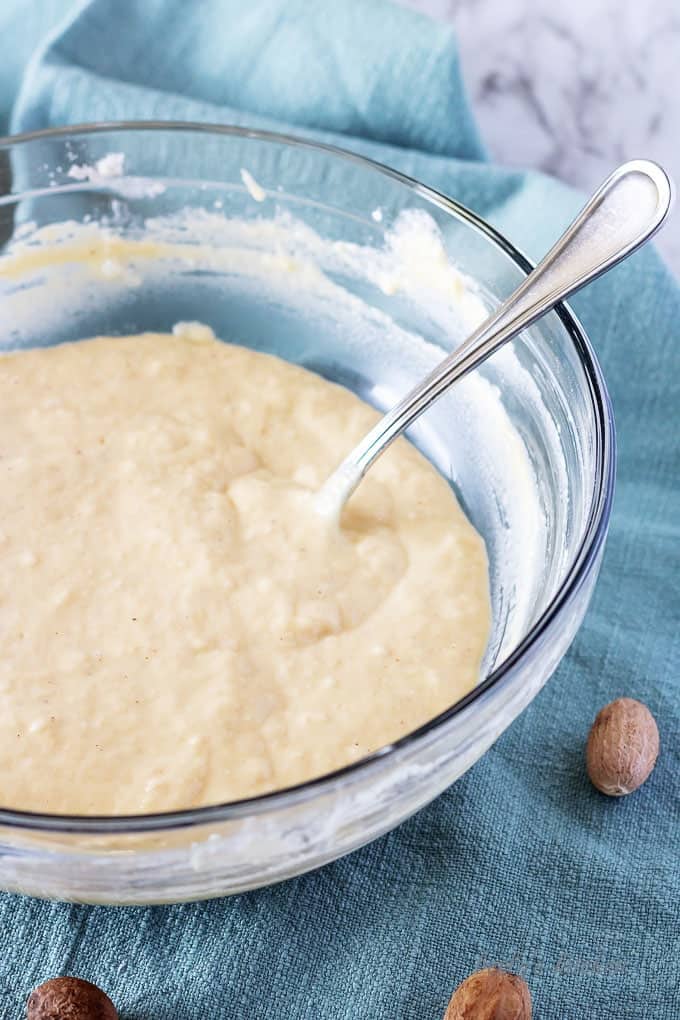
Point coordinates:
[[586, 556]]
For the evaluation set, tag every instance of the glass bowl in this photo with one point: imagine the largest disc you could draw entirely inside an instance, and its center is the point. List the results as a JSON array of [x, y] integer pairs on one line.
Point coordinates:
[[366, 276]]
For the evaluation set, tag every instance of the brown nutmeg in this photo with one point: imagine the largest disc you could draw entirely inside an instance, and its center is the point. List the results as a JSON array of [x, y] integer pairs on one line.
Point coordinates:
[[623, 745], [69, 998], [490, 994]]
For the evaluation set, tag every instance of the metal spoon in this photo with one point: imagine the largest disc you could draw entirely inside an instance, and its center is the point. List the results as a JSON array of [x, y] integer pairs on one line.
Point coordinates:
[[622, 214]]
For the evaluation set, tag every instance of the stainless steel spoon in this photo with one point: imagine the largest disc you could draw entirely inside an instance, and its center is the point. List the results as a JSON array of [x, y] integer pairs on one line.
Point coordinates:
[[622, 214]]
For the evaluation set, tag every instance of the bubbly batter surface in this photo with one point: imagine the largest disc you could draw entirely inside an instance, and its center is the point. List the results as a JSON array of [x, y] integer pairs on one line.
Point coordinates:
[[178, 626]]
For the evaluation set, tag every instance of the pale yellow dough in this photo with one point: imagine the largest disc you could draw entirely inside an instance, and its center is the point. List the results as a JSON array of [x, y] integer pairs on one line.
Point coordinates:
[[178, 626]]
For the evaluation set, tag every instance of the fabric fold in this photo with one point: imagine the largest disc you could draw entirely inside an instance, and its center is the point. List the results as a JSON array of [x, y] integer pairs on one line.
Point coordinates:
[[303, 64]]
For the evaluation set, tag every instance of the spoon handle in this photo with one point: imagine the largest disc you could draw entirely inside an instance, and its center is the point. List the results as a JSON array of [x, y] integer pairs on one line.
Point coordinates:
[[622, 214]]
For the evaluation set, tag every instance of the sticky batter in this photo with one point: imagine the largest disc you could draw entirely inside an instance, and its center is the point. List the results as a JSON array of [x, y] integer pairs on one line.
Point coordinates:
[[178, 625]]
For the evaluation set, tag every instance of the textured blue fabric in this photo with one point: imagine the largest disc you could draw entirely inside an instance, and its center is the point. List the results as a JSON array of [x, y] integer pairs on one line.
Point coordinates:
[[21, 28], [521, 863]]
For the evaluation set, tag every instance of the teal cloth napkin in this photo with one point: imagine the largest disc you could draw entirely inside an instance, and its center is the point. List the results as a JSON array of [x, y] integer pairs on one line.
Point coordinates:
[[521, 863]]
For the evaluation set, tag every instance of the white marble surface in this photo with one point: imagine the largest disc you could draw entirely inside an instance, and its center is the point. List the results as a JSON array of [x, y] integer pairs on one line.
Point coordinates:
[[574, 87]]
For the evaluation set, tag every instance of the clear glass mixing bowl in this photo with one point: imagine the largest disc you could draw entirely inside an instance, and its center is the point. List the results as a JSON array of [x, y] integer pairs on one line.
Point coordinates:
[[364, 275]]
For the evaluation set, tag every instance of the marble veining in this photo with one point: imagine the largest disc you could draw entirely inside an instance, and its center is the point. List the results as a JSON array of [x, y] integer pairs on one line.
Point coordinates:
[[573, 89]]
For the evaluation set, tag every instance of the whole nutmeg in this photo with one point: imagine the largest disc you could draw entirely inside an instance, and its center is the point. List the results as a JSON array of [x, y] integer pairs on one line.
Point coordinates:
[[623, 745], [69, 998], [490, 994]]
